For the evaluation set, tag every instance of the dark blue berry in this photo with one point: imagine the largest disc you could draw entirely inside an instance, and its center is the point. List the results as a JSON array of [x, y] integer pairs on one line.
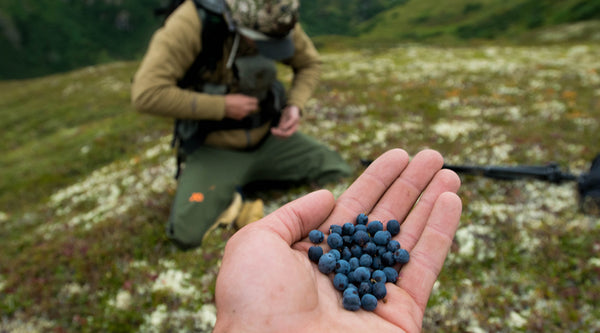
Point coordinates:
[[366, 260], [327, 263], [351, 301], [351, 278], [360, 227], [370, 248], [346, 253], [342, 266], [340, 281], [347, 240], [368, 302], [374, 226], [335, 229], [393, 245], [382, 237], [360, 237], [316, 236], [379, 276], [378, 290], [376, 263], [362, 219], [336, 254], [354, 263], [393, 226], [401, 256], [364, 288], [335, 241], [387, 259], [356, 250], [391, 274], [362, 274], [314, 253], [348, 229]]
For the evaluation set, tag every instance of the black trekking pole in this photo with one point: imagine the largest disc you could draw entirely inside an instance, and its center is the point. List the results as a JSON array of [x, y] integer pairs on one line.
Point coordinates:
[[588, 184]]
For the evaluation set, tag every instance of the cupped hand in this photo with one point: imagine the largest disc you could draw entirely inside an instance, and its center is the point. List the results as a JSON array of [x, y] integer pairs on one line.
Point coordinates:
[[267, 283]]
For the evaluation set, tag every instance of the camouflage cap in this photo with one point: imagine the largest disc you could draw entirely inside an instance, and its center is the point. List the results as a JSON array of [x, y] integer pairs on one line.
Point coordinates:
[[268, 23], [274, 18]]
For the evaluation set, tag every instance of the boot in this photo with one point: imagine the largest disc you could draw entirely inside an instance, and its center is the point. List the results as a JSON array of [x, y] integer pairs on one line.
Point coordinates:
[[228, 216], [251, 211]]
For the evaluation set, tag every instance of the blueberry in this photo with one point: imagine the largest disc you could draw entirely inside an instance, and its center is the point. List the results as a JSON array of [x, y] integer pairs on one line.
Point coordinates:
[[316, 236], [351, 277], [335, 229], [348, 229], [387, 259], [356, 251], [381, 250], [378, 290], [314, 253], [354, 263], [351, 290], [340, 281], [352, 287], [393, 226], [366, 260], [376, 263], [364, 288], [379, 276], [327, 263], [361, 238], [351, 301], [391, 274], [368, 302], [370, 248], [362, 219], [342, 266], [374, 226], [401, 256], [362, 274], [393, 245], [335, 241], [347, 240], [360, 227], [336, 254], [346, 253], [382, 237]]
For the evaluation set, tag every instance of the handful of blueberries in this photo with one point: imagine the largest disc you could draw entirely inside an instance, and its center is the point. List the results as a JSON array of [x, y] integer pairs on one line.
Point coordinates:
[[363, 257]]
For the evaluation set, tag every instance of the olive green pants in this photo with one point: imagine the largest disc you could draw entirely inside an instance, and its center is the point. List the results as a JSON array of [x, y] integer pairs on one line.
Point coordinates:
[[211, 175]]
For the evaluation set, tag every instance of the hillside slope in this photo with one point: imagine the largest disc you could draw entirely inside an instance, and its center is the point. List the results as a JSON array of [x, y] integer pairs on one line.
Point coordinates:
[[45, 36], [474, 19]]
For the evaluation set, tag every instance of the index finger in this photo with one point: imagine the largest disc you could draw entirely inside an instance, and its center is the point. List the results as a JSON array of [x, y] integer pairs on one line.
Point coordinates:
[[369, 187]]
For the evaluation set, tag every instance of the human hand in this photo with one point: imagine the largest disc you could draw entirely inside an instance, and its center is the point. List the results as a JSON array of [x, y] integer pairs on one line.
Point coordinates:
[[288, 123], [238, 106], [267, 283]]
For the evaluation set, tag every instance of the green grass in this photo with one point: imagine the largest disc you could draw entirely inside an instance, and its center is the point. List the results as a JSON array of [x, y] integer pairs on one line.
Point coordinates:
[[87, 185]]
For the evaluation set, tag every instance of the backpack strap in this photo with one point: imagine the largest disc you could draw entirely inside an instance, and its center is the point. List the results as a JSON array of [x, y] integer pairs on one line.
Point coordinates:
[[215, 31]]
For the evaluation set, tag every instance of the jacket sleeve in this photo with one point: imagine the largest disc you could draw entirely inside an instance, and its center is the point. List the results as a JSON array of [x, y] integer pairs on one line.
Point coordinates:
[[172, 50], [306, 65]]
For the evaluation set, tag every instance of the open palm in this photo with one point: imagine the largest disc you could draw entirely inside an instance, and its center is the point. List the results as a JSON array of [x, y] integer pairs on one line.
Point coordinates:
[[267, 283]]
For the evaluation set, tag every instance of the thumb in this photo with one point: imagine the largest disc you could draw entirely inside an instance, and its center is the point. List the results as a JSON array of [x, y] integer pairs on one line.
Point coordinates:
[[293, 221]]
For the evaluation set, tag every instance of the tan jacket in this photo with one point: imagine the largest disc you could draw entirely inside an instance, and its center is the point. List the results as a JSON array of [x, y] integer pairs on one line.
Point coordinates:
[[172, 50]]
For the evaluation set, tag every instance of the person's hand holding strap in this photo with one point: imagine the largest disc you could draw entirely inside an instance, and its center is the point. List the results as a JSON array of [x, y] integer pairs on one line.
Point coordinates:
[[238, 106], [267, 283]]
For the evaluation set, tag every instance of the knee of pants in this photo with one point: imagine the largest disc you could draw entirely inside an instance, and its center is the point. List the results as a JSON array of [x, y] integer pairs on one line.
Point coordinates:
[[190, 219]]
